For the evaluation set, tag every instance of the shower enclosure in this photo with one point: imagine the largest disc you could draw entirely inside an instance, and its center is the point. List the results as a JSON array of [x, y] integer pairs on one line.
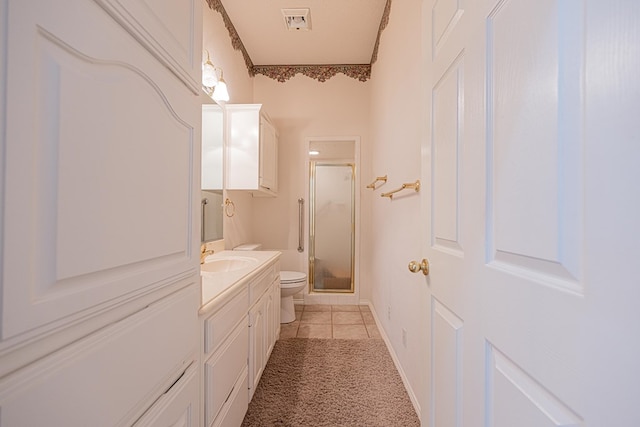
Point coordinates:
[[332, 222]]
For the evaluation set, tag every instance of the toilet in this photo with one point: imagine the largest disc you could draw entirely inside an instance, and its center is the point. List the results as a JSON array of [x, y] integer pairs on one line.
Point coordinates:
[[248, 247], [291, 282]]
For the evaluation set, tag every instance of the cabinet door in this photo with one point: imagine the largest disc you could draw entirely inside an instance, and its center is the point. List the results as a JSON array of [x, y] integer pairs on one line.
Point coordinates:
[[212, 147], [100, 200], [268, 155], [223, 370], [178, 406], [269, 331], [276, 309], [242, 156], [167, 28], [112, 376], [256, 345]]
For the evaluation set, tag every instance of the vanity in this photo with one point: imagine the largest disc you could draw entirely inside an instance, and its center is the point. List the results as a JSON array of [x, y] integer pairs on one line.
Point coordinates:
[[239, 325]]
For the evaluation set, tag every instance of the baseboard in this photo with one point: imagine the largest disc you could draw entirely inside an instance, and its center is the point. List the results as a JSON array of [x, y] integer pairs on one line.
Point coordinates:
[[396, 361]]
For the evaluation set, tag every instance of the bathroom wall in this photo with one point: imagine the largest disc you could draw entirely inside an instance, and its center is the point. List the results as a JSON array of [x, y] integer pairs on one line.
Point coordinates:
[[397, 128], [301, 108], [217, 41], [387, 113], [239, 228]]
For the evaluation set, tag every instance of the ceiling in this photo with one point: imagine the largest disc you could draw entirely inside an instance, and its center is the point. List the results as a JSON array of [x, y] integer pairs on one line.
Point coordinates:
[[343, 35]]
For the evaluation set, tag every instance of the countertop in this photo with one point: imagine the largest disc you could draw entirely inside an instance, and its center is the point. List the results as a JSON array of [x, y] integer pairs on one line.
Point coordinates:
[[216, 286]]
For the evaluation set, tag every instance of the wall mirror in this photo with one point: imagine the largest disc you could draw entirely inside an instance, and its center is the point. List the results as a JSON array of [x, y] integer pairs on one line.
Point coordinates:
[[212, 172]]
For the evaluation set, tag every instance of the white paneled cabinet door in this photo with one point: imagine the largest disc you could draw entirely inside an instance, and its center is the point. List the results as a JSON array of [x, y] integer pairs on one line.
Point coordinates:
[[256, 344], [99, 191], [268, 155], [99, 150], [531, 217]]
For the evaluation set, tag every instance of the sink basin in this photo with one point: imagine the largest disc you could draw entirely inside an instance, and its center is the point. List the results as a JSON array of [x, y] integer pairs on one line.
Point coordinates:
[[221, 265]]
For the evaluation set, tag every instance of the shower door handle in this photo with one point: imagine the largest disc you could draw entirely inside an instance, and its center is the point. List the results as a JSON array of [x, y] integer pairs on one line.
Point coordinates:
[[415, 266], [300, 225]]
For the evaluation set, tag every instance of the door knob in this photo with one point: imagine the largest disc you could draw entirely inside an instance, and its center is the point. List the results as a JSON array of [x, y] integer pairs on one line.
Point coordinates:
[[415, 266]]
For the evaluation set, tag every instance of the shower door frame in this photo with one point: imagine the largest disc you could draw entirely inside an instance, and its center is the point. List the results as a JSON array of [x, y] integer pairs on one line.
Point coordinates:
[[335, 297], [313, 164]]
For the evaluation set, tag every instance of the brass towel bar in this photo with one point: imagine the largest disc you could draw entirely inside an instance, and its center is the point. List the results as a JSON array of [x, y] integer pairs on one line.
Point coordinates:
[[379, 178], [413, 185]]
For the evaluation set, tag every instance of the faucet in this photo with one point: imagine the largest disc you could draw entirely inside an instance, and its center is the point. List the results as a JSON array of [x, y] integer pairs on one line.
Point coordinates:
[[204, 253]]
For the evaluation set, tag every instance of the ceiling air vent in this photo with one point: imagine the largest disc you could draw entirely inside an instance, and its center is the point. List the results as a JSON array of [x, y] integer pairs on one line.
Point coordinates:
[[297, 19]]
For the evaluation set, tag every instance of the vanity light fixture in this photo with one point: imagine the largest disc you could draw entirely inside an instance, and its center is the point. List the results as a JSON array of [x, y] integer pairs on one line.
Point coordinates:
[[213, 85], [220, 92], [314, 152]]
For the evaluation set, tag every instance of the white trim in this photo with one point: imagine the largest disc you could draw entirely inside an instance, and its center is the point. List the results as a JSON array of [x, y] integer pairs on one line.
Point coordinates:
[[328, 298], [396, 361]]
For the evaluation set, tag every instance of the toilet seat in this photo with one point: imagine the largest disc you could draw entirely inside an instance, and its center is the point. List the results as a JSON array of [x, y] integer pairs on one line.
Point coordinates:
[[291, 278]]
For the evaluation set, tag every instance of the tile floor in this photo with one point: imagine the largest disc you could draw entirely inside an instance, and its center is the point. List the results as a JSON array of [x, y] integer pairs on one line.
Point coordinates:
[[331, 321]]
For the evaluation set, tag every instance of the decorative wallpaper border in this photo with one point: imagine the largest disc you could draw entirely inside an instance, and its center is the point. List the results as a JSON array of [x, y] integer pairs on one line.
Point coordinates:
[[235, 38], [321, 73], [283, 73]]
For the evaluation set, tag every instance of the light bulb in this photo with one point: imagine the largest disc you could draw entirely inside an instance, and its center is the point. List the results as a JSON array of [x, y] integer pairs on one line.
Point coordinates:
[[209, 77], [220, 93]]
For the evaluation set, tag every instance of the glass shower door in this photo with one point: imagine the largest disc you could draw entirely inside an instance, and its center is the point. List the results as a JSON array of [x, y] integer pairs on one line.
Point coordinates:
[[331, 252]]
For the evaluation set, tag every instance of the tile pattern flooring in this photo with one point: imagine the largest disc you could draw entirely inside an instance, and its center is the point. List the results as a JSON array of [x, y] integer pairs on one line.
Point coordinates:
[[331, 321]]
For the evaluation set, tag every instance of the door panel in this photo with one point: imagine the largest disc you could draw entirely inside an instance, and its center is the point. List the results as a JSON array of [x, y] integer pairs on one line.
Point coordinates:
[[530, 404], [528, 154], [534, 187], [446, 347], [447, 117]]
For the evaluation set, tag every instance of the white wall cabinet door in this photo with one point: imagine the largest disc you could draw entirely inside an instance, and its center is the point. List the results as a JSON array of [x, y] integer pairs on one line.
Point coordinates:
[[531, 213], [212, 147], [99, 143], [252, 150], [268, 155], [170, 30], [100, 148]]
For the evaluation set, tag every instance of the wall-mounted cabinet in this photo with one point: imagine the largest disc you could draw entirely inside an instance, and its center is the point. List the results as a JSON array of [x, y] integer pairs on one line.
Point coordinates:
[[252, 150]]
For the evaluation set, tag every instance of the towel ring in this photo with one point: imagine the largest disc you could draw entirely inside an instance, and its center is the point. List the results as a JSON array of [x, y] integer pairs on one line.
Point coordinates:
[[229, 208]]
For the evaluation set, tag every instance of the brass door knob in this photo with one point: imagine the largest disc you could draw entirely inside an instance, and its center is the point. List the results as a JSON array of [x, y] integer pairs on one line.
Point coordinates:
[[415, 266]]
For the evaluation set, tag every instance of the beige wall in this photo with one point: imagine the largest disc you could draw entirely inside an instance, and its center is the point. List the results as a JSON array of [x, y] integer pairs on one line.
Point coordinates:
[[301, 108], [217, 41], [387, 113], [237, 229], [397, 122]]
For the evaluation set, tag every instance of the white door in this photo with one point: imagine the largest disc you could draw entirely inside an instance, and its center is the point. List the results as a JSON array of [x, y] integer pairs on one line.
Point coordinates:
[[532, 212]]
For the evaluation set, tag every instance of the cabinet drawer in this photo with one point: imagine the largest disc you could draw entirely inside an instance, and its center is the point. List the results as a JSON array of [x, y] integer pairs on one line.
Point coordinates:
[[110, 377], [259, 285], [178, 406], [223, 369], [234, 410], [218, 326]]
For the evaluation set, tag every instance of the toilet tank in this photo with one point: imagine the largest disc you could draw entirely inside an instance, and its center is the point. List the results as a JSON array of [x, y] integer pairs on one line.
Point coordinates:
[[248, 247]]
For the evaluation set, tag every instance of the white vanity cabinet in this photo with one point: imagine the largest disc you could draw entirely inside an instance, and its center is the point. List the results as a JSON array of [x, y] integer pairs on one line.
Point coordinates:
[[252, 150], [239, 328], [264, 326], [225, 353]]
